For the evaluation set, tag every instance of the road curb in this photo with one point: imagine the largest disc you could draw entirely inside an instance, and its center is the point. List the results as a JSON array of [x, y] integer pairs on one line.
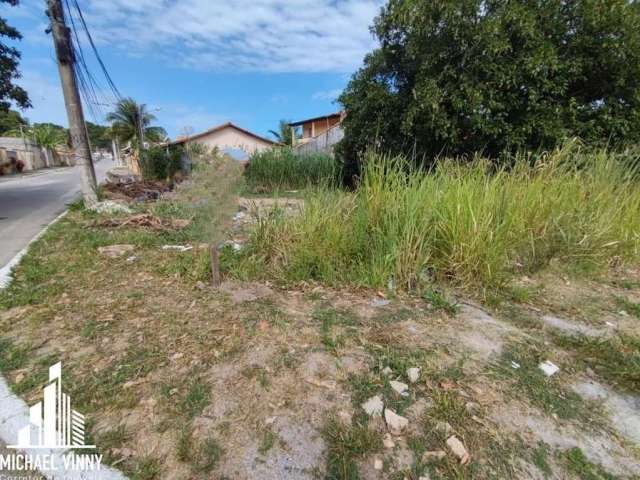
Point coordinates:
[[6, 272]]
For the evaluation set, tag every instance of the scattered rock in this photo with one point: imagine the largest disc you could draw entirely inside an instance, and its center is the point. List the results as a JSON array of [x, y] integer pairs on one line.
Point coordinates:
[[200, 285], [374, 406], [413, 374], [400, 387], [178, 248], [235, 245], [131, 259], [380, 302], [377, 463], [395, 422], [472, 407], [110, 207], [387, 441], [458, 449], [444, 427], [387, 371], [115, 251], [177, 356], [430, 456], [549, 368]]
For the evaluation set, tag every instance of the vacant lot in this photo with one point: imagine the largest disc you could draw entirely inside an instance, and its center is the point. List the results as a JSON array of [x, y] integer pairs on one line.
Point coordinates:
[[267, 376]]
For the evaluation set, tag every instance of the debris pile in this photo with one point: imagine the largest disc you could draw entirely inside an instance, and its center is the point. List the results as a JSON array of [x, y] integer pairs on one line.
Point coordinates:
[[139, 191]]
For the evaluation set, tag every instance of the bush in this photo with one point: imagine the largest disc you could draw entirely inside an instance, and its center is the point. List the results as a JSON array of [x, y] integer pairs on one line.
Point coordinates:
[[283, 168], [459, 77], [159, 164], [467, 223]]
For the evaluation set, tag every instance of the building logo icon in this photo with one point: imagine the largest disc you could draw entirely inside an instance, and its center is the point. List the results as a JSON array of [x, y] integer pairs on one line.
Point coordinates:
[[53, 424]]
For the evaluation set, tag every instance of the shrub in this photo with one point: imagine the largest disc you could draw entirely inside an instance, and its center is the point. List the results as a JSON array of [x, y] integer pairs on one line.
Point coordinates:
[[465, 76], [283, 168], [468, 223], [157, 163]]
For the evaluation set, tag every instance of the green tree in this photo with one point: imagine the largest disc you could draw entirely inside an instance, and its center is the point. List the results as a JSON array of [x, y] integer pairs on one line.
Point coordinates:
[[9, 59], [99, 136], [130, 119], [460, 76], [283, 134], [10, 121], [49, 137]]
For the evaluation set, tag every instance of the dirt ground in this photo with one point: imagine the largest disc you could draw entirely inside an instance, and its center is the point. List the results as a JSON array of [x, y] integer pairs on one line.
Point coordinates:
[[181, 380]]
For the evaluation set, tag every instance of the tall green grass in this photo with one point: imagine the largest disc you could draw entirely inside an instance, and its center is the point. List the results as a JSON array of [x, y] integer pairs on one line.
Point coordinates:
[[284, 169], [469, 223]]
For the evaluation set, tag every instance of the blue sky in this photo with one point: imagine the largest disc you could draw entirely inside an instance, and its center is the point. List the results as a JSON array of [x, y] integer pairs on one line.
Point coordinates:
[[203, 62]]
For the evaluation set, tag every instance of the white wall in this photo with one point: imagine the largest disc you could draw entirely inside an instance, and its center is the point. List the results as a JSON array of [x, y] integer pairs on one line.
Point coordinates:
[[229, 137]]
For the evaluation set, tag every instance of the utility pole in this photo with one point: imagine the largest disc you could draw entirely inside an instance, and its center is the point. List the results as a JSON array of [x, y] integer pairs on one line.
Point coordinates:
[[66, 68]]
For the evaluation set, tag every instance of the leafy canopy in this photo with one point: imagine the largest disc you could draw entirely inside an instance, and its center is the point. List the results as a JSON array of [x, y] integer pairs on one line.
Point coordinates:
[[459, 76], [9, 58], [10, 121], [127, 118]]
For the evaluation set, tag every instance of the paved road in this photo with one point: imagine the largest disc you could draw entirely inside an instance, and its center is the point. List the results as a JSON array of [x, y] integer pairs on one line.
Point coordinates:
[[30, 202]]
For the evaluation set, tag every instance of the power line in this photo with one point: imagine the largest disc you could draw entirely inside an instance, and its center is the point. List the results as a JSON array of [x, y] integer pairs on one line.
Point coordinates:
[[92, 92], [114, 89]]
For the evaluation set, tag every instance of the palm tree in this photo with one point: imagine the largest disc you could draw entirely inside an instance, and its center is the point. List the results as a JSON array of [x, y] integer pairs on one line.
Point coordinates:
[[48, 138], [284, 133], [131, 122]]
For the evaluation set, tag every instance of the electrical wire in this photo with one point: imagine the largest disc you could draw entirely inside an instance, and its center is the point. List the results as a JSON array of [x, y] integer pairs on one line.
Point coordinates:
[[112, 85], [90, 89]]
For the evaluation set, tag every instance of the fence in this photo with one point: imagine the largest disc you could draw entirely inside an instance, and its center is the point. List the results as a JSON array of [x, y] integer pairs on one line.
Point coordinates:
[[325, 142]]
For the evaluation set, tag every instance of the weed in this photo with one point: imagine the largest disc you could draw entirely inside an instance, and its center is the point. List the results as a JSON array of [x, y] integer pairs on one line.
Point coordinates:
[[184, 444], [12, 356], [148, 468], [267, 442], [628, 306], [196, 399], [92, 329], [547, 393], [208, 455], [333, 320], [540, 458], [283, 168], [110, 440], [480, 227], [345, 445], [577, 463], [259, 373], [616, 358], [439, 302]]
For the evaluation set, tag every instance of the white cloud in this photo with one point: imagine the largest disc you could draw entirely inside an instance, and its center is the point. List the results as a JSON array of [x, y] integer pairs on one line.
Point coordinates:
[[240, 35], [327, 94], [181, 118]]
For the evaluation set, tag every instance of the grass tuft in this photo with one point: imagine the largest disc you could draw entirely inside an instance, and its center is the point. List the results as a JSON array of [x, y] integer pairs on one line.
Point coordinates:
[[345, 445], [471, 224], [284, 169]]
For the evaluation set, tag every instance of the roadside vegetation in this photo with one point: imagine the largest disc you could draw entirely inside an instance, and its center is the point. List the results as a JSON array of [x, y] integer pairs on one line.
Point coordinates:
[[283, 169], [470, 224], [264, 378]]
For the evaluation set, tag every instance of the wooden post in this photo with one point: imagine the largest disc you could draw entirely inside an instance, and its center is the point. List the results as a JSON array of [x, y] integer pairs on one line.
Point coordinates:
[[215, 265]]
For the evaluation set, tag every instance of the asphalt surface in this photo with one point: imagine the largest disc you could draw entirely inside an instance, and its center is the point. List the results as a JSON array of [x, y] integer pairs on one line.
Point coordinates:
[[31, 201]]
